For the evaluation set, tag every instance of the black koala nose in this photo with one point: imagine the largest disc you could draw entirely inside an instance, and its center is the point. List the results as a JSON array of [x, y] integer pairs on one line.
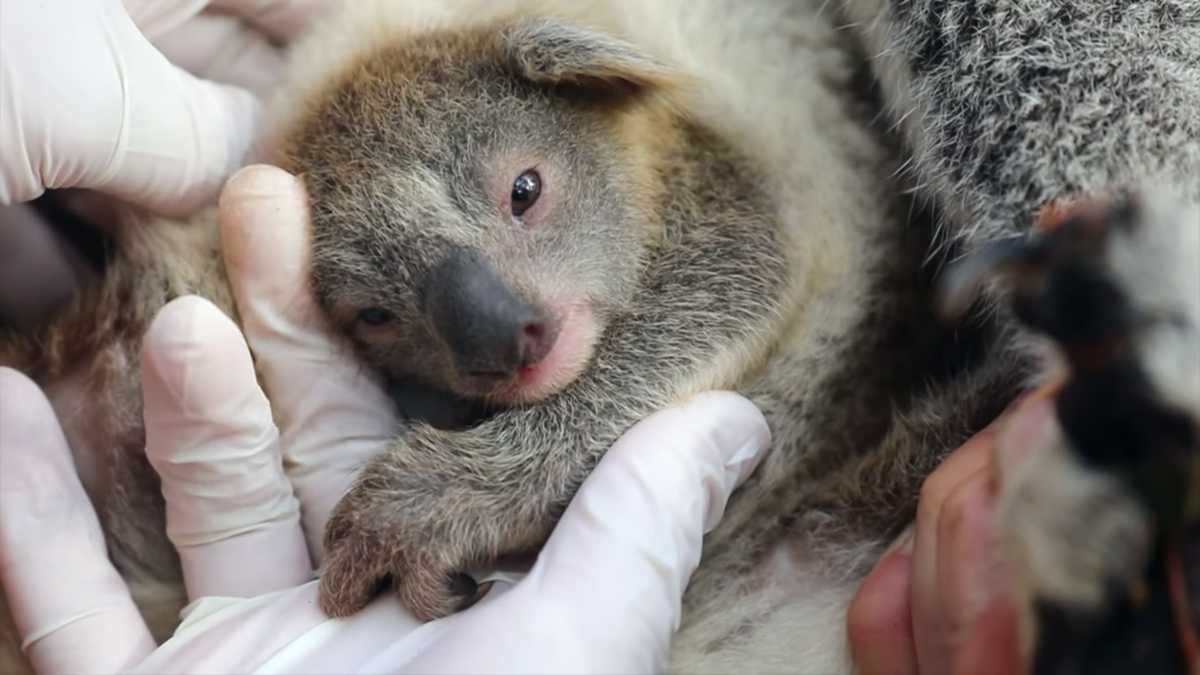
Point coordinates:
[[488, 328]]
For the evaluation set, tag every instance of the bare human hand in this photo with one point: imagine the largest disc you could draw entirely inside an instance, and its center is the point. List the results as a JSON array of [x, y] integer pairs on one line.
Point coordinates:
[[938, 602]]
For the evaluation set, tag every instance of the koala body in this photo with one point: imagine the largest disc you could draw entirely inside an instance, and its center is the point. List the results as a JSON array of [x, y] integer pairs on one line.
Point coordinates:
[[717, 270], [565, 217]]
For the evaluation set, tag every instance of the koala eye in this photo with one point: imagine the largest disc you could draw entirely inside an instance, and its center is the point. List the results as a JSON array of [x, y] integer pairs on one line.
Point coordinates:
[[525, 192], [375, 316]]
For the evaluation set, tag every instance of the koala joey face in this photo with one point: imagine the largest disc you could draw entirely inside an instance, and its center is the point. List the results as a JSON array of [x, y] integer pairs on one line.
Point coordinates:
[[480, 203]]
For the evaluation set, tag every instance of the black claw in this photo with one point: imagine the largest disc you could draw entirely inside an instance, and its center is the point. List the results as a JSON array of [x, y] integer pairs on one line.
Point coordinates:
[[464, 587], [963, 281]]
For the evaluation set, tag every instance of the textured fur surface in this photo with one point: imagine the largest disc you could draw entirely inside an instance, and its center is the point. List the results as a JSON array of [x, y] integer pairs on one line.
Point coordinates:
[[767, 245]]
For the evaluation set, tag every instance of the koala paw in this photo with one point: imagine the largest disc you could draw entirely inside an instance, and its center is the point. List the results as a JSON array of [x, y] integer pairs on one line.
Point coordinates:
[[370, 545], [400, 527], [434, 507], [1114, 284]]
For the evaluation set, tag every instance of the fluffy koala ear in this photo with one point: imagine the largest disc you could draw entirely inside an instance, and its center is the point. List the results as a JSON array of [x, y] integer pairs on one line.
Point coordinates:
[[553, 53]]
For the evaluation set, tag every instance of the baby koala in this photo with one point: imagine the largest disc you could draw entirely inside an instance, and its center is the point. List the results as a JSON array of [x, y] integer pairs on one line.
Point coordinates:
[[556, 227], [556, 220], [528, 222]]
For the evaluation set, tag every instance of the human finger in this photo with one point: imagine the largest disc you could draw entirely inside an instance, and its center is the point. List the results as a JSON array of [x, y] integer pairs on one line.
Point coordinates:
[[209, 434], [930, 626], [879, 620], [180, 136], [970, 562], [333, 414], [990, 645], [71, 608], [1024, 434]]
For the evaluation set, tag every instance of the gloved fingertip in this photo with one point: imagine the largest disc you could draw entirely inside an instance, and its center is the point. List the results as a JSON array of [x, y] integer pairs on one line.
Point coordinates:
[[263, 214], [740, 429], [21, 397], [243, 120], [37, 475], [157, 170], [28, 422], [193, 353], [189, 327]]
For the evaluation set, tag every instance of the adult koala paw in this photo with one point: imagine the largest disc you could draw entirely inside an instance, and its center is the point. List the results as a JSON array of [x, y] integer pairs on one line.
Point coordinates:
[[1103, 516]]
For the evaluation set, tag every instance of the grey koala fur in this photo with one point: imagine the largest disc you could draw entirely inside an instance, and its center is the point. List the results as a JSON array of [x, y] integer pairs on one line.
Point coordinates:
[[761, 244]]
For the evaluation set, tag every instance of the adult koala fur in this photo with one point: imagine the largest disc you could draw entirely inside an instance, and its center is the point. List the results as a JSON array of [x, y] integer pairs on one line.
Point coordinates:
[[629, 202]]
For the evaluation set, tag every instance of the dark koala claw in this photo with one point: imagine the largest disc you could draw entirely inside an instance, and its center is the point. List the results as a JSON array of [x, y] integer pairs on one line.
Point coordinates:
[[359, 565], [464, 587], [1048, 269], [431, 593]]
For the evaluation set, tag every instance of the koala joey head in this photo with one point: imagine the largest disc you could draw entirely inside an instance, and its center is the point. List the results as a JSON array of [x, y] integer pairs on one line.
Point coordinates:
[[482, 202]]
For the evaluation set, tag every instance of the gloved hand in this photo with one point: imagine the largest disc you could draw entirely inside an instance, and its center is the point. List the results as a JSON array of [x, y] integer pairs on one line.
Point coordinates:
[[604, 594], [87, 101]]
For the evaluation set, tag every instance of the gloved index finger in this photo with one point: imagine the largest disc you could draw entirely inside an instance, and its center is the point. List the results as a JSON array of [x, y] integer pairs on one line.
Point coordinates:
[[153, 135], [230, 509], [333, 414], [178, 137]]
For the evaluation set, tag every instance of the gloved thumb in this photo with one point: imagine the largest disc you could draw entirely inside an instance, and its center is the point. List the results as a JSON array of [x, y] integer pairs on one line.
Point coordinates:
[[607, 588], [634, 531], [183, 135], [152, 134]]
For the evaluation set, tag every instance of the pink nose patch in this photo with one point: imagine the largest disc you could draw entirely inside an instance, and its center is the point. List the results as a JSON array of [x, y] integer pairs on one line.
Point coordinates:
[[535, 342]]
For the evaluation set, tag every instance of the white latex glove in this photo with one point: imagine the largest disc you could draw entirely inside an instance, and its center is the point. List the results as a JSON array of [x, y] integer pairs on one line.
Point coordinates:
[[86, 100], [603, 596]]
